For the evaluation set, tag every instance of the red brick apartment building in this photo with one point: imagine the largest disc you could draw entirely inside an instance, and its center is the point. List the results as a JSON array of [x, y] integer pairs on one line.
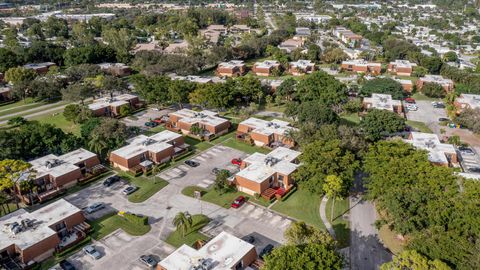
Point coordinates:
[[27, 238], [467, 101], [401, 67], [266, 133], [301, 67], [269, 174], [40, 68], [110, 106], [53, 174], [362, 66], [116, 69], [5, 94], [211, 124], [224, 251], [265, 68], [407, 85], [439, 154], [447, 84], [383, 102], [142, 151], [232, 68]]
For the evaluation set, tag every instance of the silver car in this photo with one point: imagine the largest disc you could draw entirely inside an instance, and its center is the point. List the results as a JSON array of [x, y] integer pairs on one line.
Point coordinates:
[[92, 252], [94, 207]]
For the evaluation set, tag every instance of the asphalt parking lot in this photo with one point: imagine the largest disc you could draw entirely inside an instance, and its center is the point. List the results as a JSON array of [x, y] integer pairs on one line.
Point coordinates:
[[427, 114], [139, 119]]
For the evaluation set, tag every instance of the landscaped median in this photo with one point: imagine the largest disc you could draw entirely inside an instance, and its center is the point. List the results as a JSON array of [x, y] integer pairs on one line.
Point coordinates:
[[192, 234], [147, 186], [222, 199], [132, 224]]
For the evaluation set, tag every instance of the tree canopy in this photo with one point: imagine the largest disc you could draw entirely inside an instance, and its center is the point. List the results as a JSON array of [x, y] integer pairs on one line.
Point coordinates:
[[378, 124], [383, 86]]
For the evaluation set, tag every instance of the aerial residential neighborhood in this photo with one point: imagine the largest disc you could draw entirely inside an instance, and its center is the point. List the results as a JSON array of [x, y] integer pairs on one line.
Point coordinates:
[[245, 135]]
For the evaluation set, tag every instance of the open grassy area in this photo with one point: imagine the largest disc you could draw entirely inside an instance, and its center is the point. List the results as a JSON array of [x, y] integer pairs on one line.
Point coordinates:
[[249, 149], [177, 238], [223, 200], [197, 144], [147, 186], [350, 119], [109, 223], [302, 205], [420, 96], [340, 225], [9, 105], [34, 107], [154, 130], [59, 121], [422, 127], [390, 241]]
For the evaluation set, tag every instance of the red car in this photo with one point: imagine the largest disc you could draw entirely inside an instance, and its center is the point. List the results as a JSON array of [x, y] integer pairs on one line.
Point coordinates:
[[237, 161], [410, 100], [239, 201]]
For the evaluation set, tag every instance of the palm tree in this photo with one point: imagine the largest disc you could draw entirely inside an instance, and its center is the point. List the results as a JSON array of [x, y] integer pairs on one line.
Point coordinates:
[[27, 186], [97, 144], [289, 135], [183, 221]]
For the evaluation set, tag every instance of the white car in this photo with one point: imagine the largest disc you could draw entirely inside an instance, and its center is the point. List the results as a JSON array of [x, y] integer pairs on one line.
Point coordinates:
[[92, 252]]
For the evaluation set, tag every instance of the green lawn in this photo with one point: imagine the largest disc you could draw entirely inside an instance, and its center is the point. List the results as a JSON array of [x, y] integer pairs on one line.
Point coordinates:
[[107, 224], [422, 127], [177, 239], [350, 119], [340, 225], [197, 144], [223, 200], [147, 186], [155, 130], [59, 121], [420, 96], [33, 107], [390, 240], [244, 147], [302, 205], [9, 105]]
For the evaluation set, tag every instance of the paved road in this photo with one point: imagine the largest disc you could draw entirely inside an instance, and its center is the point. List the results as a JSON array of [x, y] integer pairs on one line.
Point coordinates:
[[366, 251], [323, 216], [427, 114]]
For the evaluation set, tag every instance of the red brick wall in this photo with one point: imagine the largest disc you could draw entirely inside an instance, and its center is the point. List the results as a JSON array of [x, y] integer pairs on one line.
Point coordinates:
[[68, 178]]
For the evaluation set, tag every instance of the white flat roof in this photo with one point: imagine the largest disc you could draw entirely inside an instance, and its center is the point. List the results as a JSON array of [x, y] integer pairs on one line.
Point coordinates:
[[108, 101], [302, 63], [265, 127], [361, 62], [436, 150], [403, 63], [267, 64], [232, 64], [261, 166], [42, 219], [382, 102], [223, 251], [204, 117], [472, 100], [140, 144], [436, 79], [60, 165]]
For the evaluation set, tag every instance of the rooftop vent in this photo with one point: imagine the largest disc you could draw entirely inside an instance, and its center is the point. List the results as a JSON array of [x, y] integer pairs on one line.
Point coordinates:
[[271, 161], [52, 163], [148, 141]]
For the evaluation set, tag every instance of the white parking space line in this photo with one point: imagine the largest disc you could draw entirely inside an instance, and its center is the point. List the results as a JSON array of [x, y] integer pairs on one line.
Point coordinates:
[[202, 185], [177, 170], [184, 167], [200, 158], [213, 154], [208, 181], [216, 150], [274, 220]]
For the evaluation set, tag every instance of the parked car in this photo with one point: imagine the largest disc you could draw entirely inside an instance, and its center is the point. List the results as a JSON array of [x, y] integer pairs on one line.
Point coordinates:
[[236, 161], [466, 151], [129, 190], [438, 104], [409, 100], [148, 260], [151, 124], [443, 119], [94, 207], [92, 252], [239, 201], [249, 238], [475, 170], [66, 265], [216, 171], [111, 180], [192, 163], [266, 250], [412, 107]]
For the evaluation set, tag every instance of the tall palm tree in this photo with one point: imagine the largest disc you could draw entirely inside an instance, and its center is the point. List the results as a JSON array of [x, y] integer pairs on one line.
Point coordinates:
[[183, 221], [97, 144], [289, 135]]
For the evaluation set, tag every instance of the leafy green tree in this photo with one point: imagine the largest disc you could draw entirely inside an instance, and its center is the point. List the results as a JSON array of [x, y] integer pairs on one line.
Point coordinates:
[[314, 52], [19, 74], [322, 87], [286, 90], [334, 56], [125, 110], [412, 260], [434, 90], [450, 56], [110, 134], [380, 123], [121, 41], [11, 171], [87, 127], [71, 111], [78, 92], [299, 233], [469, 118], [183, 222], [8, 59], [221, 184], [333, 186], [398, 49], [322, 158], [316, 113], [383, 86], [303, 257], [17, 121]]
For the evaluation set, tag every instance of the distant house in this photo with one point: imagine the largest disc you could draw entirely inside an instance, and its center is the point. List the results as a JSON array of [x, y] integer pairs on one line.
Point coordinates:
[[348, 37], [240, 28], [291, 44], [40, 68], [383, 102], [439, 153], [223, 252], [268, 174], [209, 122], [266, 133], [142, 152], [152, 46], [401, 67], [447, 84], [313, 18], [467, 101], [266, 68], [27, 238], [178, 47], [116, 69], [362, 66], [303, 32], [301, 67], [5, 94], [231, 68], [110, 106], [53, 174]]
